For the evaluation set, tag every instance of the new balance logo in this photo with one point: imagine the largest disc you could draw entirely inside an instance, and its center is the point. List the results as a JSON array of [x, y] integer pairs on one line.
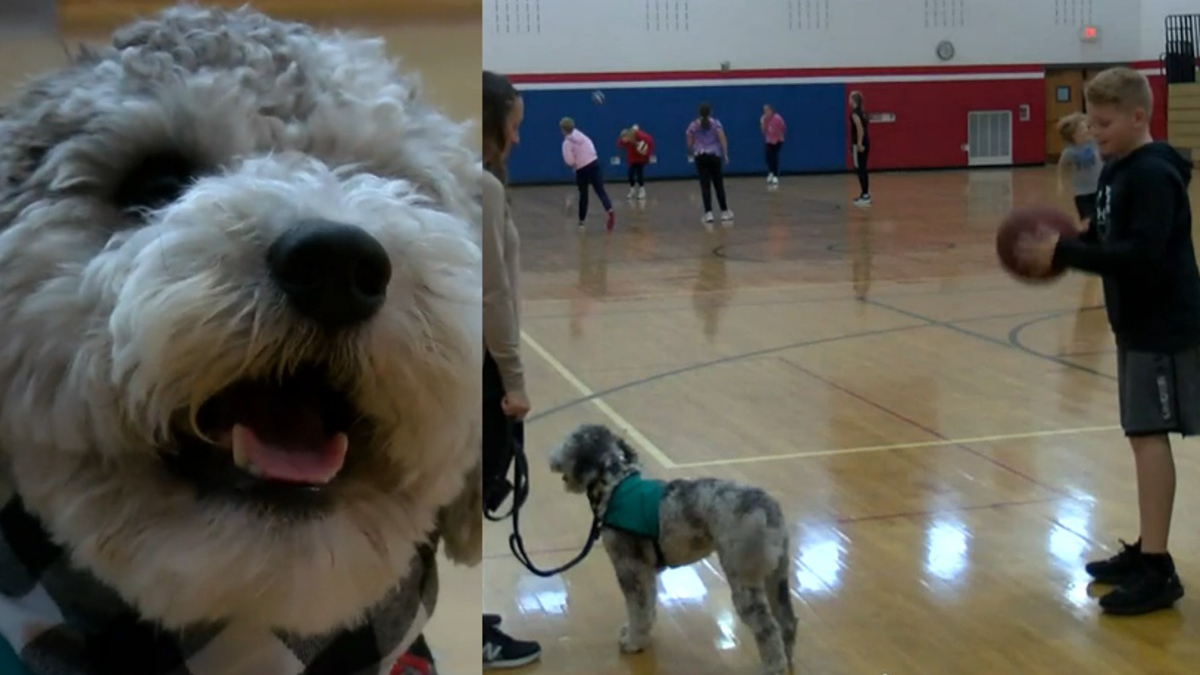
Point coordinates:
[[492, 653]]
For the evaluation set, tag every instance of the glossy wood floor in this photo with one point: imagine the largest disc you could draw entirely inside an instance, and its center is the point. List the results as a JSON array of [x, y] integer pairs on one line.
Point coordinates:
[[941, 437]]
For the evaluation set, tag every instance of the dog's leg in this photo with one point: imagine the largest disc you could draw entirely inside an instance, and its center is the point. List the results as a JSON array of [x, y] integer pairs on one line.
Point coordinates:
[[779, 594], [755, 609], [638, 582]]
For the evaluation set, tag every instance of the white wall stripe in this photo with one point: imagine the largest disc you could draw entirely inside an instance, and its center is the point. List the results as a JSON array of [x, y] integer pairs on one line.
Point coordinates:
[[766, 81]]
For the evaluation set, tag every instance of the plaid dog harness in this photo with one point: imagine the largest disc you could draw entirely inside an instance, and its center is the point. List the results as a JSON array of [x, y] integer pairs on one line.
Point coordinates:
[[56, 619]]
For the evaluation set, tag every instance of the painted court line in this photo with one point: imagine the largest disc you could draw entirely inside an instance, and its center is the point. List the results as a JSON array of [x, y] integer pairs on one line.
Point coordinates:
[[627, 429], [895, 446], [805, 288]]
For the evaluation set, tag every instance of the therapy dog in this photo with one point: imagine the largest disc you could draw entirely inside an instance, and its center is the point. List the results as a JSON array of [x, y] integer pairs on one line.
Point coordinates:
[[651, 525], [240, 301]]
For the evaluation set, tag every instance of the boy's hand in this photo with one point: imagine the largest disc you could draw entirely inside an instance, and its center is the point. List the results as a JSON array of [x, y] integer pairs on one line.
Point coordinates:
[[1035, 251]]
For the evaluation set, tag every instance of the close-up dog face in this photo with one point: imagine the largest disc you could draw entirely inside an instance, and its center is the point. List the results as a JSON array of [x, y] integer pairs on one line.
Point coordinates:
[[590, 454], [240, 295]]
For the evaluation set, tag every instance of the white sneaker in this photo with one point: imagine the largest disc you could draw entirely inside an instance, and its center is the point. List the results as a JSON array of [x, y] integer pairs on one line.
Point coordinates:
[[863, 200], [641, 193], [726, 216], [632, 193], [770, 179], [774, 179], [708, 217]]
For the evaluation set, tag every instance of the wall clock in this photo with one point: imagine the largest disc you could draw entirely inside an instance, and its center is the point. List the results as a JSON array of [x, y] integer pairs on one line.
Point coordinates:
[[945, 50]]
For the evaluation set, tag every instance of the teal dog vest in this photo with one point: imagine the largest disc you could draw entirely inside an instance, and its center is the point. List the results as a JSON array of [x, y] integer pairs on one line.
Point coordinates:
[[633, 506]]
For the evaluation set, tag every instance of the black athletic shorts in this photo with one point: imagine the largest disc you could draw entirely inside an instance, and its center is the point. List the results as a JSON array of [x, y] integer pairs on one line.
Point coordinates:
[[1159, 393]]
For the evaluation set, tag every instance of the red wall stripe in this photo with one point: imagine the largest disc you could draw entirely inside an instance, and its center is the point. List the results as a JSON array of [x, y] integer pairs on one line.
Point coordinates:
[[783, 73], [763, 73]]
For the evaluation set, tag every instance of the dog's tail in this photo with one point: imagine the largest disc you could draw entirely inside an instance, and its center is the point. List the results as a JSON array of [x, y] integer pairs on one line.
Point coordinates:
[[779, 592]]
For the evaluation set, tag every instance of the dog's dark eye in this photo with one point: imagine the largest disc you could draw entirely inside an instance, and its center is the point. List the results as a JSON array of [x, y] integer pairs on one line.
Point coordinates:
[[154, 182]]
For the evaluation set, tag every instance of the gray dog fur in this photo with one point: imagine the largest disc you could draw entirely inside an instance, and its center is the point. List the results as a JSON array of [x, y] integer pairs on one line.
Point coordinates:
[[742, 524], [116, 327]]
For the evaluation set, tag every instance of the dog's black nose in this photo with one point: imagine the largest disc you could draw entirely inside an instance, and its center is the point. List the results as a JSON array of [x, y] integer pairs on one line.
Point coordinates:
[[334, 274]]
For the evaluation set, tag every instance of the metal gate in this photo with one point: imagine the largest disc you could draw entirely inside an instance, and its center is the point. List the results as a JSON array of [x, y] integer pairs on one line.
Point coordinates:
[[989, 138]]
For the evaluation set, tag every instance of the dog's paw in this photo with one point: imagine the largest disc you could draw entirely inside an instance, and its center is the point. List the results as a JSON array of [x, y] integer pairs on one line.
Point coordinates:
[[632, 643], [781, 669]]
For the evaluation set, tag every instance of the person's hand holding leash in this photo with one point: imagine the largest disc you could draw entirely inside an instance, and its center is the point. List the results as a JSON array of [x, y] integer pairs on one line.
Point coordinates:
[[515, 405]]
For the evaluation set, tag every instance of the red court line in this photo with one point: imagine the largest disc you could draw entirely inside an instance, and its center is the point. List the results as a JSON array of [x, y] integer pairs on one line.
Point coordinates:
[[787, 73]]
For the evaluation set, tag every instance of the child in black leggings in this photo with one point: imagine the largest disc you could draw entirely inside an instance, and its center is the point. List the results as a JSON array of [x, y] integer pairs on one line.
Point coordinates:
[[639, 147], [860, 142], [579, 153], [708, 146]]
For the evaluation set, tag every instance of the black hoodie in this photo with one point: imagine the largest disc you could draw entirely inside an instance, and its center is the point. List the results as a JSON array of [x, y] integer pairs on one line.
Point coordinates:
[[1140, 242]]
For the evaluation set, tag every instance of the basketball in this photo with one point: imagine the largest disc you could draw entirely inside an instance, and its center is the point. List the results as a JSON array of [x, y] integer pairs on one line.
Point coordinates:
[[1031, 219]]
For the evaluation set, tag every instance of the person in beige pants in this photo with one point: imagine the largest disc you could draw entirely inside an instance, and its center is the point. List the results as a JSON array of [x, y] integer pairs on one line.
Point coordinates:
[[505, 403]]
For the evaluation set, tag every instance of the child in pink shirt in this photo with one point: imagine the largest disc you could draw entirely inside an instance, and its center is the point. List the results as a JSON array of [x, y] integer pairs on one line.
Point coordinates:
[[773, 131], [579, 153]]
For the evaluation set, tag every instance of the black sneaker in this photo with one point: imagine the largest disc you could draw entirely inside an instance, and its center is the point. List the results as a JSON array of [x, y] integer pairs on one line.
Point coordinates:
[[502, 651], [1147, 590], [1125, 564], [491, 619]]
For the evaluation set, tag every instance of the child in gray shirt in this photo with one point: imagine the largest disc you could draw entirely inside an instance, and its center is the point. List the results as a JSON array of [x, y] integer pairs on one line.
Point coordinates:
[[1081, 159]]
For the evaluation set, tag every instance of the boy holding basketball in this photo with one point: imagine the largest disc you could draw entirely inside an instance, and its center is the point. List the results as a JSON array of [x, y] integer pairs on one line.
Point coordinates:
[[1140, 242]]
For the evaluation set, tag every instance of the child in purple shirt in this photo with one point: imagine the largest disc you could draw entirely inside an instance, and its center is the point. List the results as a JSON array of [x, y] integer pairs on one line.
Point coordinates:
[[707, 144]]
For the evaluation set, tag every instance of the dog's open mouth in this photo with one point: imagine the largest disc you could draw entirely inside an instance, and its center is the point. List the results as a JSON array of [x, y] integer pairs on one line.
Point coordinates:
[[293, 431]]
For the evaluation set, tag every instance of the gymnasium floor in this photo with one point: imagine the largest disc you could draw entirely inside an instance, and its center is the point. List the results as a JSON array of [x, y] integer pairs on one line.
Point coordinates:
[[941, 437]]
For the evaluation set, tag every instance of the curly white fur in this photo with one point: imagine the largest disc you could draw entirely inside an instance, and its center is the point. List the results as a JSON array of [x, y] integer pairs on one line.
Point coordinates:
[[115, 328]]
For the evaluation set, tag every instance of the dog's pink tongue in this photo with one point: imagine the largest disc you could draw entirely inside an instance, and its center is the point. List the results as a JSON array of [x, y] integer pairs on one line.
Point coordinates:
[[310, 461]]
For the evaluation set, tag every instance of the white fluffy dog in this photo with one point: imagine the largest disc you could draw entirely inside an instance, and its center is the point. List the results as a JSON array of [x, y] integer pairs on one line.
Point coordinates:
[[240, 308]]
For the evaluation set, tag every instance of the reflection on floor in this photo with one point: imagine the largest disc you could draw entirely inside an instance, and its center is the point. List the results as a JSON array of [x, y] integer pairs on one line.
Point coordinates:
[[942, 437]]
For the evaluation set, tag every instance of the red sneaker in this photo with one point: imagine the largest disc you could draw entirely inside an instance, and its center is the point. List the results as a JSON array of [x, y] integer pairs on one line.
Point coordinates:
[[610, 221], [409, 664]]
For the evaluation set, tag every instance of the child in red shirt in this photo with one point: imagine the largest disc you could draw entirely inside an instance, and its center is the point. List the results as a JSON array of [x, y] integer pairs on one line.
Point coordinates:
[[639, 146]]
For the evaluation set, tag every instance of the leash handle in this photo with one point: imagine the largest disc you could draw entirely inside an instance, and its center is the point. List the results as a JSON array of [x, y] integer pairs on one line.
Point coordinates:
[[519, 489], [516, 542], [520, 494]]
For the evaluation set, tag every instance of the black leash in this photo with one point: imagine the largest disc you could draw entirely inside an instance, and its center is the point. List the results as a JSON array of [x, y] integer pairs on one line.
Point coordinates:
[[520, 493]]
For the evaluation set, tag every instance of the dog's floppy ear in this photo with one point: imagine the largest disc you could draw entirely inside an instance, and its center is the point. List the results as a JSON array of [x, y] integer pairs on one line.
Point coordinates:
[[461, 521], [628, 454]]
